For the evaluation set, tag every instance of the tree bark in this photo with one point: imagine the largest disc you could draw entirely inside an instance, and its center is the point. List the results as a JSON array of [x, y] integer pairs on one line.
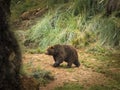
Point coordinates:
[[10, 55]]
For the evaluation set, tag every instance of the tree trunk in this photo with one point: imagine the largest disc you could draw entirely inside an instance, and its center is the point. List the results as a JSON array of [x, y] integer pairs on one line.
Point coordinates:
[[10, 55]]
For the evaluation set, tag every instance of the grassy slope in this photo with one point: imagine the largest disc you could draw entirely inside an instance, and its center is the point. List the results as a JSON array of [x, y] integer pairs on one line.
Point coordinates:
[[78, 31]]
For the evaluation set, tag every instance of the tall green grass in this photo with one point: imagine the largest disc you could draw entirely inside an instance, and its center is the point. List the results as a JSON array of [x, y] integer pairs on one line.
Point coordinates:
[[110, 31], [62, 26], [46, 34], [89, 7], [65, 28]]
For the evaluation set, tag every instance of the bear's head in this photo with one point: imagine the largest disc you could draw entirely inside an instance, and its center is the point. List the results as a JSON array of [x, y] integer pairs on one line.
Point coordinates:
[[50, 51], [53, 50]]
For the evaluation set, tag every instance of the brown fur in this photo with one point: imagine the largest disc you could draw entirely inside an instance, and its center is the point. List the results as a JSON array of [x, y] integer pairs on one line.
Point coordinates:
[[62, 53]]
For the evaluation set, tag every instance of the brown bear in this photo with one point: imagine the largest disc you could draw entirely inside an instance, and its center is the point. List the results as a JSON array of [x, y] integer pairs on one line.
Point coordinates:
[[62, 53]]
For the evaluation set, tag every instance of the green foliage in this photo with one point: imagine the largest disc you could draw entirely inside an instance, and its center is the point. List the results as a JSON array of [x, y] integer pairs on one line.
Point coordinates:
[[61, 25], [54, 3], [20, 6], [42, 76], [109, 30], [106, 30], [107, 64], [80, 23], [51, 30], [34, 51], [88, 7], [76, 86], [115, 74], [102, 87], [99, 50], [70, 86]]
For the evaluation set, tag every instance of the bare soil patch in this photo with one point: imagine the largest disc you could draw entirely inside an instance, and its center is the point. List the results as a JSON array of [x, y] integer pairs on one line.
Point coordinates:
[[85, 76]]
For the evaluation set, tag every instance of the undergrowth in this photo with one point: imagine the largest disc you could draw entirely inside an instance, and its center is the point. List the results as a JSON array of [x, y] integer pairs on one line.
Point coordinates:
[[79, 26], [41, 76], [79, 23], [20, 6], [61, 28], [65, 28], [77, 86]]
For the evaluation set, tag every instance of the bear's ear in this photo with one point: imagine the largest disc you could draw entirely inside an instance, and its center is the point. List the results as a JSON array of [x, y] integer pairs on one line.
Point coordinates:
[[52, 47]]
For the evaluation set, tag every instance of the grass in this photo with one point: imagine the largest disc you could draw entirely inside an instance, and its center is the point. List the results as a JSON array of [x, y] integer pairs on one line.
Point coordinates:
[[77, 86], [65, 28], [70, 69], [62, 25], [70, 86], [62, 28], [18, 7], [102, 87], [34, 51], [41, 76], [114, 74], [105, 62], [102, 63], [98, 49]]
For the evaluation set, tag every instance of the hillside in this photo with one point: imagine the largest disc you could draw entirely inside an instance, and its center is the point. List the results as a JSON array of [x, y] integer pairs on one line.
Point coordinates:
[[94, 73], [92, 27]]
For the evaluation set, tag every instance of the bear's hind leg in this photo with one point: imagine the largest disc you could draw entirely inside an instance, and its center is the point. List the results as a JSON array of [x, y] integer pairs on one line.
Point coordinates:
[[69, 64]]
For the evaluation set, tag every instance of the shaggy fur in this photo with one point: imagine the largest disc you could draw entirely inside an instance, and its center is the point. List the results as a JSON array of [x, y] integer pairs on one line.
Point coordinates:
[[62, 53]]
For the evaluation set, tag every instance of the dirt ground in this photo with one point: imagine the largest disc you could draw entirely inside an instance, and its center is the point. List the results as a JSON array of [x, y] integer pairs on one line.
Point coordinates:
[[83, 75]]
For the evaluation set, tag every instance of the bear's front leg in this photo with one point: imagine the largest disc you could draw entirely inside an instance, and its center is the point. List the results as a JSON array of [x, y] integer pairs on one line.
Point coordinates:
[[56, 64], [58, 61]]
